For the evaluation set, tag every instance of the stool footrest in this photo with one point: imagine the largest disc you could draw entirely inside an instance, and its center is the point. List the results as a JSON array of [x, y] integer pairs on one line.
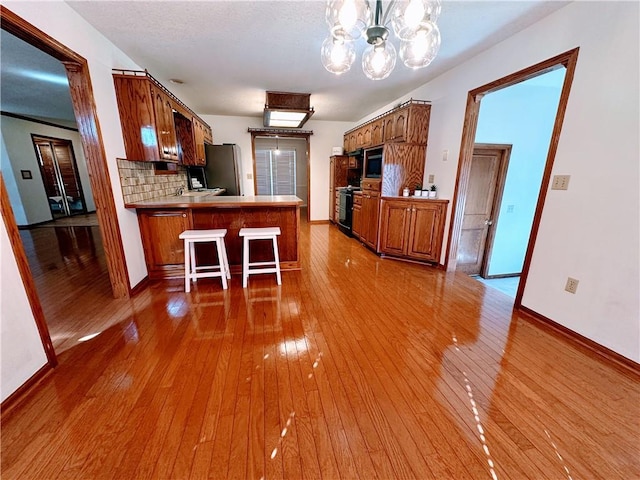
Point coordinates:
[[260, 264], [264, 270]]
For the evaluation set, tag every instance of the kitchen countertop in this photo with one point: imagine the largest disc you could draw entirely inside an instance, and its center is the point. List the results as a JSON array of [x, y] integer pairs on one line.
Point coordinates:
[[214, 201]]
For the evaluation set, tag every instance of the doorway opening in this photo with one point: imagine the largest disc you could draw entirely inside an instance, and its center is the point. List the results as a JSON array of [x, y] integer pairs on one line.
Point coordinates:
[[281, 165], [60, 178], [75, 73], [509, 140]]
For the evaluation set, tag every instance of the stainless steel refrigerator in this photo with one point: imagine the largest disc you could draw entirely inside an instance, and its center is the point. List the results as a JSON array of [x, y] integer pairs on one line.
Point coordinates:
[[223, 169]]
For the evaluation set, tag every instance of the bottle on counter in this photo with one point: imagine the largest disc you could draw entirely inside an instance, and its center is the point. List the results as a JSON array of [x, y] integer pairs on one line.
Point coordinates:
[[405, 192]]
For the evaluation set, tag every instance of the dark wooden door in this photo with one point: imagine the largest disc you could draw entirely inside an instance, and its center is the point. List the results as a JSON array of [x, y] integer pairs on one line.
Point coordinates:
[[60, 176], [486, 181]]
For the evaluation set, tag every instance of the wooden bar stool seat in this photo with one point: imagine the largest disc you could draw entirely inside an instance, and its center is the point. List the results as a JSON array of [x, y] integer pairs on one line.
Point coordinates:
[[251, 268], [191, 270]]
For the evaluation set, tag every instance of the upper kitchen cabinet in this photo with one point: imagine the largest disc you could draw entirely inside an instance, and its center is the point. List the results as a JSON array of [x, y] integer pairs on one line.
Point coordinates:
[[409, 124], [201, 134], [165, 126], [156, 125]]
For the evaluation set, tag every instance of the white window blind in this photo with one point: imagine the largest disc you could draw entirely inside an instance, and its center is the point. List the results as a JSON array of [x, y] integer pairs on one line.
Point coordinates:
[[276, 174]]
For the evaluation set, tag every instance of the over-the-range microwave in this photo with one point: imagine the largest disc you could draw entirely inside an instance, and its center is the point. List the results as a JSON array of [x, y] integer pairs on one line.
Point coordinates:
[[373, 163]]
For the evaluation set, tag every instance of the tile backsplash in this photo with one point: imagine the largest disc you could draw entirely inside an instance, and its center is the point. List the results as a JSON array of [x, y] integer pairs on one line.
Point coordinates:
[[139, 181]]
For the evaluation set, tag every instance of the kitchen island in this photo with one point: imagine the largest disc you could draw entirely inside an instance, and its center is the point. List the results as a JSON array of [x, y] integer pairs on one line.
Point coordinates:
[[162, 219]]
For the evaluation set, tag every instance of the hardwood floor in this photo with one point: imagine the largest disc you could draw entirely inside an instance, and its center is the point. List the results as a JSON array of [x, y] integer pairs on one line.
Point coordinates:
[[71, 277], [356, 367]]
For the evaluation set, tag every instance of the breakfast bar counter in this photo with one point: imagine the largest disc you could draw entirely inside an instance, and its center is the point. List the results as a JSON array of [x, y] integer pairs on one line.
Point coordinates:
[[162, 220]]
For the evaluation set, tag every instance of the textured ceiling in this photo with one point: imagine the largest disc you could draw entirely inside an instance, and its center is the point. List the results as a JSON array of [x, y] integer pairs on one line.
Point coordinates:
[[228, 53]]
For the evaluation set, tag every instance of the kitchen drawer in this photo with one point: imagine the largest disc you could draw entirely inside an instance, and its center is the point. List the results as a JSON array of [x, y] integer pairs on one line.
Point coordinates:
[[371, 185], [357, 199]]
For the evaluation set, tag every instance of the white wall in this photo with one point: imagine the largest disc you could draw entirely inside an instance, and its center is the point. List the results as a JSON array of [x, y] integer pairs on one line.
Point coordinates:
[[590, 236], [21, 351], [228, 129], [16, 134]]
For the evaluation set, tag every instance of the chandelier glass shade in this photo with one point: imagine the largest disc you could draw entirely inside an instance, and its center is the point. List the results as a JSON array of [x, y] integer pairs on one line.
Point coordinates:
[[413, 23]]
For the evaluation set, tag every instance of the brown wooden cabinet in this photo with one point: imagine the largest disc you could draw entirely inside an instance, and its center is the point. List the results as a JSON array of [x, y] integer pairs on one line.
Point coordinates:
[[409, 124], [201, 135], [412, 228], [163, 250], [369, 213], [369, 219], [165, 128], [403, 167], [339, 165], [356, 219], [376, 132], [156, 126]]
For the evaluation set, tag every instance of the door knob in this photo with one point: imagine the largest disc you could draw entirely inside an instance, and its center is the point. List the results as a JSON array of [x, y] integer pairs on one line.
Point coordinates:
[[488, 222]]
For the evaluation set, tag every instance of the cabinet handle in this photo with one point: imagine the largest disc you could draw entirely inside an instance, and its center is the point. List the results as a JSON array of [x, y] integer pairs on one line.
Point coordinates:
[[184, 215], [413, 210]]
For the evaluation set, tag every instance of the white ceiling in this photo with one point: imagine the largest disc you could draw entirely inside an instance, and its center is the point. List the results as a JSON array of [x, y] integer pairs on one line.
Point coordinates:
[[228, 53]]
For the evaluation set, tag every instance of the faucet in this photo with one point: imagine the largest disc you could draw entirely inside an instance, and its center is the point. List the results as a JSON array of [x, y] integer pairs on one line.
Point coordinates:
[[179, 191]]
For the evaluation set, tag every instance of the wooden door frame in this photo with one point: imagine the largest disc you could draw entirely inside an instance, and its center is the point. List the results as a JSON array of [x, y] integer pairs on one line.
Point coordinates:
[[273, 132], [505, 156], [568, 60], [90, 134]]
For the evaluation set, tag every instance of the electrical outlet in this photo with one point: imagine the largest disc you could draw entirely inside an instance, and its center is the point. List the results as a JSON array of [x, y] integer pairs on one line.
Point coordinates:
[[432, 178], [445, 155], [249, 176], [572, 285], [560, 182], [510, 208]]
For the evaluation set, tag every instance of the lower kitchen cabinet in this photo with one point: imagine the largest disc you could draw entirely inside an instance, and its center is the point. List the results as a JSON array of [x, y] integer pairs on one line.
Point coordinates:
[[369, 219], [356, 219], [412, 228], [164, 251]]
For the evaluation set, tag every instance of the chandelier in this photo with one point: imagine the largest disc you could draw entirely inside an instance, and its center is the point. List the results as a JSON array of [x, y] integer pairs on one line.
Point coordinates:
[[413, 22]]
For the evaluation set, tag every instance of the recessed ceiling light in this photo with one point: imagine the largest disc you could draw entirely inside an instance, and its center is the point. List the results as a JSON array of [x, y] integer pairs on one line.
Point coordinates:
[[177, 81]]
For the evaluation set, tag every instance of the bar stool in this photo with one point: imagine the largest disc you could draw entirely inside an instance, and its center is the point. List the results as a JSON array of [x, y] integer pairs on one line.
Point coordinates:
[[193, 272], [264, 233]]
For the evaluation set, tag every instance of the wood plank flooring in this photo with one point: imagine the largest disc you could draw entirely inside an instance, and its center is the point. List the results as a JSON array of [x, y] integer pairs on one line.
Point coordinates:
[[70, 273], [356, 367]]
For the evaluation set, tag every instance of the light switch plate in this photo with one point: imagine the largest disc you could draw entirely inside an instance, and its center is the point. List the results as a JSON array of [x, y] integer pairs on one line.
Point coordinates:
[[560, 182], [249, 176], [432, 178]]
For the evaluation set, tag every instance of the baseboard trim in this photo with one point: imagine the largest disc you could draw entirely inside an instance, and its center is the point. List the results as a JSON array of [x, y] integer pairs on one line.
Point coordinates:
[[12, 401], [409, 260], [142, 284], [621, 362], [318, 222], [502, 275]]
